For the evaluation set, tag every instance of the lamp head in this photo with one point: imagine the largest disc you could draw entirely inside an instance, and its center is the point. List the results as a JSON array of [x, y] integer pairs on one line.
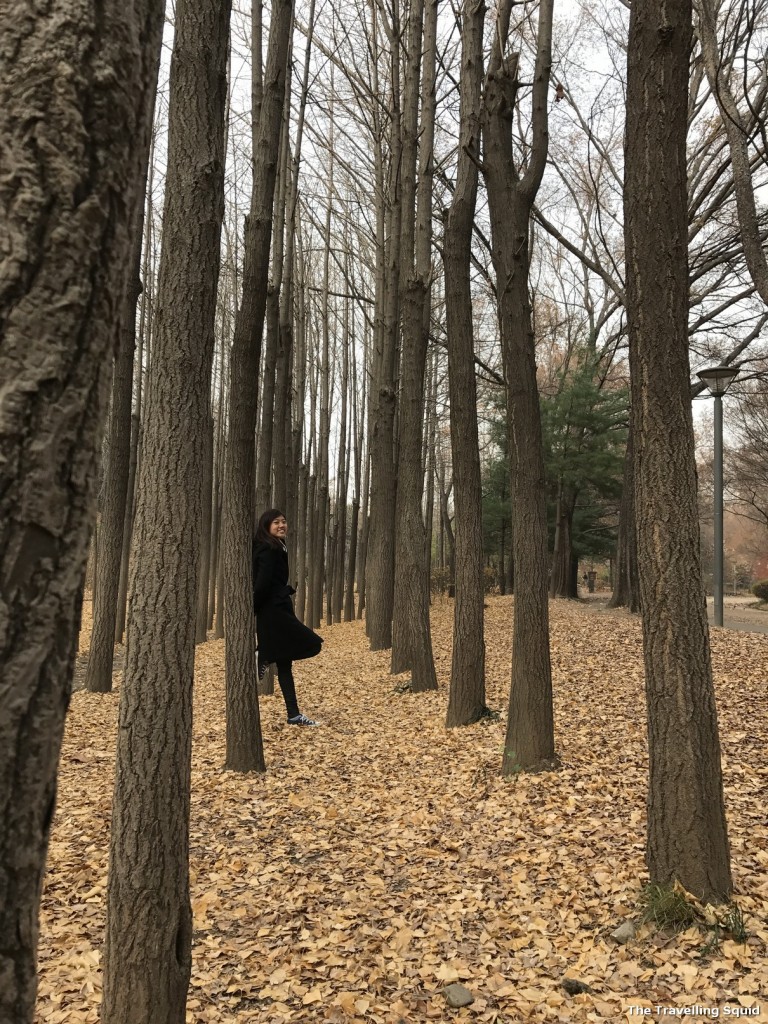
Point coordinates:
[[718, 378]]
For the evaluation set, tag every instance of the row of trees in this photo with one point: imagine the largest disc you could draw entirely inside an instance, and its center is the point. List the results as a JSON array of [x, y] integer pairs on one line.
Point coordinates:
[[381, 246]]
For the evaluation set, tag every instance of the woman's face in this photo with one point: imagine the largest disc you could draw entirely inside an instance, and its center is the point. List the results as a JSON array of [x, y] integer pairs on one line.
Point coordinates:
[[278, 527]]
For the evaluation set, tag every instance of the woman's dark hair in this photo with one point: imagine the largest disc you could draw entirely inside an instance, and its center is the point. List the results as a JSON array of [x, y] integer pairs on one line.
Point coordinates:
[[263, 536]]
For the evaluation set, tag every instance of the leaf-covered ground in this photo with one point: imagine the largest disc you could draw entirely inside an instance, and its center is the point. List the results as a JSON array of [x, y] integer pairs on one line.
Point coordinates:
[[382, 857]]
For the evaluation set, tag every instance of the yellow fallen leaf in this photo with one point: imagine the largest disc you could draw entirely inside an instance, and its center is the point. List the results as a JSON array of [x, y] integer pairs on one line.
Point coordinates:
[[447, 973]]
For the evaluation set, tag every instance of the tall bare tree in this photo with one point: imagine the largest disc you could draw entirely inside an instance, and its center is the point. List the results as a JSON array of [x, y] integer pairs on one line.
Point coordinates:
[[511, 194], [380, 546], [466, 700], [411, 637], [147, 959], [687, 837], [244, 743], [76, 89]]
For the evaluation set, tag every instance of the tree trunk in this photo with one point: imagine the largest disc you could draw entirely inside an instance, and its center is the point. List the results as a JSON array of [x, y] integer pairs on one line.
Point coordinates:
[[322, 552], [626, 587], [145, 328], [561, 580], [76, 89], [98, 677], [201, 624], [265, 454], [380, 552], [529, 741], [411, 636], [244, 742], [466, 701], [147, 959], [687, 836]]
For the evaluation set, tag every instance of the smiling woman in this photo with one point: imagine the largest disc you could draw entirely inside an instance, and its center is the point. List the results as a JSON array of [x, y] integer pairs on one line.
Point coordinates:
[[282, 638]]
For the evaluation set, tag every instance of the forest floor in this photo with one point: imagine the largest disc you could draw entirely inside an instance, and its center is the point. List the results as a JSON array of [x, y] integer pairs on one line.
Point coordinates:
[[382, 857]]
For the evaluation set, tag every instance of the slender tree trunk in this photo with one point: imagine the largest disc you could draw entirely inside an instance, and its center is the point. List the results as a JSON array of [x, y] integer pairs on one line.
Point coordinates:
[[561, 581], [363, 435], [342, 480], [449, 541], [98, 677], [244, 743], [411, 636], [687, 835], [466, 701], [145, 329], [265, 453], [321, 511], [530, 729], [380, 562], [201, 624], [147, 960], [218, 463], [301, 546], [431, 464], [357, 455], [626, 587], [364, 534], [76, 89]]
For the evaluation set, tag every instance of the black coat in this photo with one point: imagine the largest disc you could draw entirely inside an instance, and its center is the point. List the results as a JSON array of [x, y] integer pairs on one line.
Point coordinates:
[[280, 635]]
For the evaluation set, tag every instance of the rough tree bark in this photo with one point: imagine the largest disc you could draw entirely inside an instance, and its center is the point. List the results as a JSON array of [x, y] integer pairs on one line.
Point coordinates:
[[687, 836], [466, 700], [530, 729], [76, 89], [245, 750], [147, 959]]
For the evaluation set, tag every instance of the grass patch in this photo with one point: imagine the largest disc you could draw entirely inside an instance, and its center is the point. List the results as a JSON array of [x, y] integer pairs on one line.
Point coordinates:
[[667, 907]]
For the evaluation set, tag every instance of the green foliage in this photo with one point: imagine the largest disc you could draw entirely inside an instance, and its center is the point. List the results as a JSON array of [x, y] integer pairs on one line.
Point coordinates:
[[667, 907], [584, 428], [584, 432], [760, 590]]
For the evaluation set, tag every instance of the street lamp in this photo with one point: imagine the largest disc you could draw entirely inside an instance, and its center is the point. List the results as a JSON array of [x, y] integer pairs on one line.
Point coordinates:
[[718, 379]]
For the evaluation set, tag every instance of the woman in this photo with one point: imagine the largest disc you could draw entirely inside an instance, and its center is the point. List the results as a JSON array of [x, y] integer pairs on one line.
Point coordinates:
[[281, 637]]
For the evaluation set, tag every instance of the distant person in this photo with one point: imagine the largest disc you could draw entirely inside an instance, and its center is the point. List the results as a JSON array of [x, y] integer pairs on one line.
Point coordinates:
[[282, 638]]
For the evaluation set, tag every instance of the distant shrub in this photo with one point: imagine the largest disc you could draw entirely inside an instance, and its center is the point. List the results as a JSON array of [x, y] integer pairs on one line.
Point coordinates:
[[491, 579], [760, 589], [439, 580]]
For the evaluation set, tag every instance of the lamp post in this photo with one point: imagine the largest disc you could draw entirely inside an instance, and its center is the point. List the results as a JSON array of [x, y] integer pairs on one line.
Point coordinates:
[[718, 379]]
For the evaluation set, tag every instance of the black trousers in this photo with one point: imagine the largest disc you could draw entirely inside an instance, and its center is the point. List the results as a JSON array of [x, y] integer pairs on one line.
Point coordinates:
[[288, 686]]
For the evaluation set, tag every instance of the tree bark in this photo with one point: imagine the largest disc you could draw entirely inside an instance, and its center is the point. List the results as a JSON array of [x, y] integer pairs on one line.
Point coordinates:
[[529, 741], [687, 836], [244, 742], [76, 84], [466, 700]]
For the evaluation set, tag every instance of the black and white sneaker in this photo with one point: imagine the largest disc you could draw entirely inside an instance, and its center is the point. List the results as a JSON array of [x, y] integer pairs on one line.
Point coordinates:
[[301, 720]]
